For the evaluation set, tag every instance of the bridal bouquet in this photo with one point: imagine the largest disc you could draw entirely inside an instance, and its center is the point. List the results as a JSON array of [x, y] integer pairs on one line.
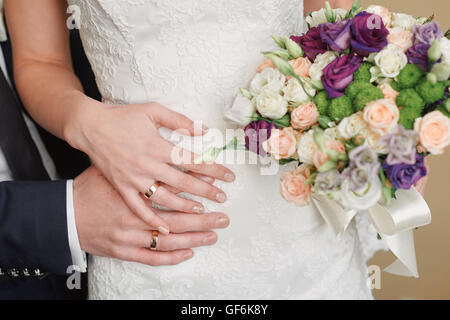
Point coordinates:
[[358, 102]]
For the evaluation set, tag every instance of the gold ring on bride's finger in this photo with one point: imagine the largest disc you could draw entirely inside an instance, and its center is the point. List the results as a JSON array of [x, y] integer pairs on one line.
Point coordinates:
[[154, 242], [151, 191]]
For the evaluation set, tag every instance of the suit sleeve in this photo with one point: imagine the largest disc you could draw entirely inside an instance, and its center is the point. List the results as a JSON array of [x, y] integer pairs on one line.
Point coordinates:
[[33, 226]]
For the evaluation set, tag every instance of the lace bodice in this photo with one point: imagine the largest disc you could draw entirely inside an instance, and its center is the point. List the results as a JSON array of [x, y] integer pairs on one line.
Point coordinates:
[[193, 56]]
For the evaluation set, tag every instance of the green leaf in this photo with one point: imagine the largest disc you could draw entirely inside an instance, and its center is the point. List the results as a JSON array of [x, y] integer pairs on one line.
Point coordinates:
[[324, 121], [283, 162]]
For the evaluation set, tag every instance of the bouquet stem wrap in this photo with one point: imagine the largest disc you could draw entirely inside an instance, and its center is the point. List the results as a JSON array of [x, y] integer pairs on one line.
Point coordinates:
[[394, 222]]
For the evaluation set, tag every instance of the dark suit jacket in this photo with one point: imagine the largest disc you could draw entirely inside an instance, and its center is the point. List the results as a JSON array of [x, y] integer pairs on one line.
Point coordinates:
[[34, 248]]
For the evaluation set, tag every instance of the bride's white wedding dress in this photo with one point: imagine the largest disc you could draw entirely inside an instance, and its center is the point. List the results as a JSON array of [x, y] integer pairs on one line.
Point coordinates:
[[193, 56]]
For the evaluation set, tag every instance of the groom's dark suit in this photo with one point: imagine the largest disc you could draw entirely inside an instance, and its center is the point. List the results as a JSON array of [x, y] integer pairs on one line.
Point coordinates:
[[34, 248]]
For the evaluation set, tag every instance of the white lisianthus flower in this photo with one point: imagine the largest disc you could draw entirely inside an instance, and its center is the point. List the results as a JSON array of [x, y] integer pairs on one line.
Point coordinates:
[[241, 112], [390, 61], [318, 17], [332, 134], [372, 140], [316, 69], [271, 105], [445, 49], [294, 93], [404, 21], [269, 81], [364, 200], [306, 147], [352, 126]]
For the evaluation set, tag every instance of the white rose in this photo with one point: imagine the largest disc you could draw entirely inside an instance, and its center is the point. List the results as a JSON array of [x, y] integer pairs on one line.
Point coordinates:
[[316, 70], [390, 61], [241, 111], [268, 81], [404, 21], [383, 12], [363, 201], [352, 126], [445, 49], [332, 134], [294, 93], [318, 17], [272, 106], [372, 140], [306, 147]]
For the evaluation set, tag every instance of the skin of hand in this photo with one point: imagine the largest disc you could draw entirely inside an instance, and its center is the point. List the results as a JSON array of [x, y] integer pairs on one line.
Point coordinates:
[[122, 141], [107, 227], [314, 5]]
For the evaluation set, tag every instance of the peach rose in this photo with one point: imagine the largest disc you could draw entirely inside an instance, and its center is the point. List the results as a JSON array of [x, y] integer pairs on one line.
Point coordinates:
[[389, 93], [282, 143], [266, 64], [304, 116], [319, 158], [400, 38], [434, 132], [294, 188], [381, 115], [301, 66]]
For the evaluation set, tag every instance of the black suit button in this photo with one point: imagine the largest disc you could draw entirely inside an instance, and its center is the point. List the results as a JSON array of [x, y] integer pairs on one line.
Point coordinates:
[[25, 272], [13, 273], [38, 273], [1, 272]]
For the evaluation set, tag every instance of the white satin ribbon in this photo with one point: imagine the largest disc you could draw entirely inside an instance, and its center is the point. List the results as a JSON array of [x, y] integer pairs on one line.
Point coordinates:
[[394, 223]]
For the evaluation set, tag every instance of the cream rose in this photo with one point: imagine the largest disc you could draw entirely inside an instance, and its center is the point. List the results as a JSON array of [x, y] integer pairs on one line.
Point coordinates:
[[281, 144], [241, 111], [294, 188], [352, 126], [383, 12], [388, 92], [404, 21], [381, 115], [390, 61], [445, 49], [318, 17], [434, 132], [304, 116], [294, 93], [272, 106], [306, 147], [301, 66], [400, 38], [269, 81], [316, 69]]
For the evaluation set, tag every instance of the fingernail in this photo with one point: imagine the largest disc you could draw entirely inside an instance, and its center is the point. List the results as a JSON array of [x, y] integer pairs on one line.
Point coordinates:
[[163, 230], [188, 255], [222, 222], [210, 239], [198, 209], [221, 197], [229, 177]]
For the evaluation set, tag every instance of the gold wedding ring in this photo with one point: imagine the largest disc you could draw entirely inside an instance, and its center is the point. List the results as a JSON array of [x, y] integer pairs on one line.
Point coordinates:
[[154, 242], [151, 191]]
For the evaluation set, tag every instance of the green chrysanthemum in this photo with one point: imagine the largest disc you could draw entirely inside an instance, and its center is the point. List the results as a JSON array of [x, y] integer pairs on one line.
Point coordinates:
[[408, 116], [356, 87], [409, 98], [431, 92], [363, 72], [322, 102], [340, 108], [409, 76], [365, 96]]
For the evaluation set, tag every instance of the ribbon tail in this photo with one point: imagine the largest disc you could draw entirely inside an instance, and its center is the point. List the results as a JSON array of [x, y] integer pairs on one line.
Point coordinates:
[[402, 245]]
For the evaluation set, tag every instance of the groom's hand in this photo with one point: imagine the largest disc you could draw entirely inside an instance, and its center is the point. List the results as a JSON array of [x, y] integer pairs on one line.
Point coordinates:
[[107, 227]]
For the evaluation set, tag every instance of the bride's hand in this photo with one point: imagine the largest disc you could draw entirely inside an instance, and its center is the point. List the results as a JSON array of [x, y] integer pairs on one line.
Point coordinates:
[[124, 144]]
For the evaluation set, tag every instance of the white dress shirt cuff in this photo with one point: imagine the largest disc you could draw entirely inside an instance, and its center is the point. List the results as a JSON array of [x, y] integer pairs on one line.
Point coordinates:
[[78, 255]]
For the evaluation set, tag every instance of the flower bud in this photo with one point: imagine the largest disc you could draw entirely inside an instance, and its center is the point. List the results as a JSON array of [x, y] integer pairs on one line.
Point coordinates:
[[329, 13], [434, 53], [294, 49], [431, 77], [279, 41], [246, 93], [319, 139], [324, 122], [327, 166], [441, 71], [283, 54], [447, 105], [282, 65]]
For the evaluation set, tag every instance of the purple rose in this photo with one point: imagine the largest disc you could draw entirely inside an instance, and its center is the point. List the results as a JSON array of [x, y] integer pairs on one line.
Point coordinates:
[[256, 133], [418, 55], [402, 145], [404, 176], [336, 35], [311, 43], [427, 33], [369, 34], [339, 74]]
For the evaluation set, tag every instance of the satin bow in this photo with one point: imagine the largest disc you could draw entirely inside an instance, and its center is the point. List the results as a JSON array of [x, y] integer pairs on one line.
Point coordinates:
[[395, 224]]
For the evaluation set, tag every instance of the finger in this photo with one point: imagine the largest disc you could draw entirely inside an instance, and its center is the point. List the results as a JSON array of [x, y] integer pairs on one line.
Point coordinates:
[[190, 184], [171, 242], [194, 174], [139, 207], [176, 121], [167, 199], [154, 258], [181, 222]]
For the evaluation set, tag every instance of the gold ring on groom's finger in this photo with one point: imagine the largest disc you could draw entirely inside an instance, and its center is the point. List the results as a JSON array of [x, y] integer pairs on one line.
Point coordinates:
[[151, 191], [154, 242]]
